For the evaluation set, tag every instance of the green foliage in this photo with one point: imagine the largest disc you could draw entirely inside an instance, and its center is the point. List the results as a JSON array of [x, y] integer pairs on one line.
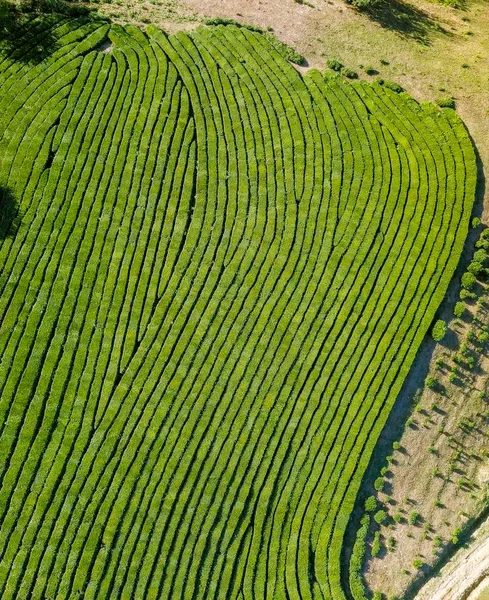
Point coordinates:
[[466, 295], [370, 504], [350, 73], [376, 544], [391, 85], [480, 256], [439, 330], [475, 222], [446, 102], [418, 564], [474, 267], [468, 281], [380, 516], [459, 309], [413, 517], [334, 64], [379, 484], [431, 382]]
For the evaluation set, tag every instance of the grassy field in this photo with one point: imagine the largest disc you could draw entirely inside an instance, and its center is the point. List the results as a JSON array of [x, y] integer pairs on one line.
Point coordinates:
[[217, 278]]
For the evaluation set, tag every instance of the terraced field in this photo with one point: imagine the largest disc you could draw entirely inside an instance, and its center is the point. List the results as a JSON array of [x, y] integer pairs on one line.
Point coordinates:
[[221, 274]]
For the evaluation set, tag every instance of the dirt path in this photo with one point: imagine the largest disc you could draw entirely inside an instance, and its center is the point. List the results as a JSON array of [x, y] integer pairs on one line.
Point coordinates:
[[463, 574]]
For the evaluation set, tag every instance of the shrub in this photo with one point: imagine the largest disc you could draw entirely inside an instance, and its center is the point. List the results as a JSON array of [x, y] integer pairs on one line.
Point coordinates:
[[350, 73], [466, 295], [370, 70], [397, 517], [468, 280], [437, 541], [370, 504], [396, 445], [446, 102], [475, 267], [379, 484], [376, 544], [380, 516], [418, 564], [480, 256], [395, 87], [413, 518], [439, 330], [334, 64], [459, 309], [430, 382], [364, 4]]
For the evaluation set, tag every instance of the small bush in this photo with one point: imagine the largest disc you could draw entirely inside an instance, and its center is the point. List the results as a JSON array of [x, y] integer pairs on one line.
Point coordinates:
[[376, 544], [418, 564], [480, 256], [439, 330], [459, 309], [393, 86], [334, 64], [466, 295], [396, 445], [380, 516], [413, 518], [379, 484], [397, 517], [475, 267], [468, 280], [350, 73], [370, 504], [430, 382], [446, 102]]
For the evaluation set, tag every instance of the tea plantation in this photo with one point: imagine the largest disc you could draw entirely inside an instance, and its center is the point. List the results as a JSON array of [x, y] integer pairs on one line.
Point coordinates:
[[218, 277]]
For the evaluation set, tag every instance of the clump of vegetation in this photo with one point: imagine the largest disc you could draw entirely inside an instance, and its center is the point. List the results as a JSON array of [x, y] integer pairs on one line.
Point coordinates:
[[334, 64], [468, 281], [380, 516], [459, 309], [379, 484], [376, 547], [414, 517], [370, 504], [439, 330], [446, 102], [350, 73]]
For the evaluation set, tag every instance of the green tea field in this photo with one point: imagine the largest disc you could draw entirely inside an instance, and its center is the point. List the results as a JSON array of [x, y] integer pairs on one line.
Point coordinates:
[[215, 274]]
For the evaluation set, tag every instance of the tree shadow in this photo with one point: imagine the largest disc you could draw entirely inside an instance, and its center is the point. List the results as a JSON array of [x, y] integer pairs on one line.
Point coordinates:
[[406, 19], [9, 213], [33, 43]]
